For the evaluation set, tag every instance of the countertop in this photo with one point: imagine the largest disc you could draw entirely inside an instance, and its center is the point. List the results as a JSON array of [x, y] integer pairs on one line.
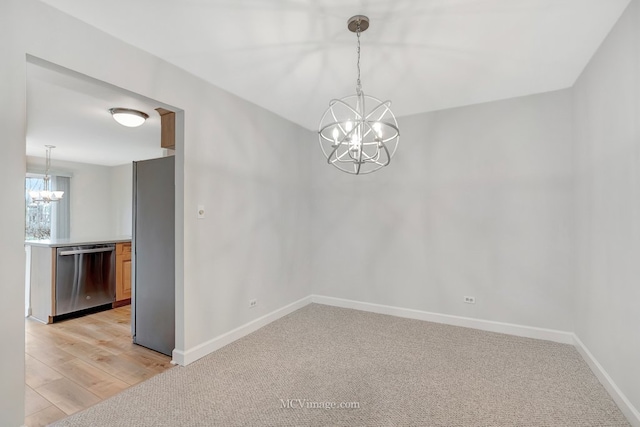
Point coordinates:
[[57, 243]]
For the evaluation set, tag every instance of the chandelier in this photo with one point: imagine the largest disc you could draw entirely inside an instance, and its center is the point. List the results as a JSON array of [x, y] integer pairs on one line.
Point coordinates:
[[358, 134], [46, 195]]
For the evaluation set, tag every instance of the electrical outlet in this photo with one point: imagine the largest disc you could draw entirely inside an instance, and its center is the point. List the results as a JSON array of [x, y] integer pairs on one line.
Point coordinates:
[[470, 300], [253, 303]]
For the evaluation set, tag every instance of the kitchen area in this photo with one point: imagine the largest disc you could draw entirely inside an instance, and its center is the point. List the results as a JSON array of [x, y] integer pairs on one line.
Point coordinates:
[[99, 242]]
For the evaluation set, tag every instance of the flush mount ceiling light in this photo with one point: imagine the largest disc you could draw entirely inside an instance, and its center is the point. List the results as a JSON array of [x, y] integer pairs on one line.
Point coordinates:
[[358, 134], [46, 195], [128, 117]]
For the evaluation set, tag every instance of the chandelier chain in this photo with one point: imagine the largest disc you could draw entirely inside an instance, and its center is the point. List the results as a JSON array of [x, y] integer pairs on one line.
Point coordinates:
[[359, 84], [48, 161]]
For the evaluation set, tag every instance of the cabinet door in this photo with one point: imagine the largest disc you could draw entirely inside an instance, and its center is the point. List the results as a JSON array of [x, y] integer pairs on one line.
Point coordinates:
[[123, 271], [126, 278]]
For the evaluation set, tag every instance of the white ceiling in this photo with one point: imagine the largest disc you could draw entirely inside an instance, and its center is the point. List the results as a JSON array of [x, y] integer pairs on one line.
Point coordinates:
[[292, 56], [70, 111]]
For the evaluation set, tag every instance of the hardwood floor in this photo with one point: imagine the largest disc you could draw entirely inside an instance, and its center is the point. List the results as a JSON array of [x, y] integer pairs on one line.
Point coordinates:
[[76, 363]]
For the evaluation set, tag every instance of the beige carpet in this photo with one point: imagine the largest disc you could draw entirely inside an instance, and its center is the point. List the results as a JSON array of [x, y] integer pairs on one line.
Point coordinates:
[[400, 372]]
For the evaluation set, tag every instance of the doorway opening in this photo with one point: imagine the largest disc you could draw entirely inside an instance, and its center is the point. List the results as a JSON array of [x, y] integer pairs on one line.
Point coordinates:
[[73, 363]]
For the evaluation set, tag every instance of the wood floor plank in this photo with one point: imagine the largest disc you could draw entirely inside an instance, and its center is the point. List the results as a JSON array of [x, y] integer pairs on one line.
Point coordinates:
[[102, 336], [94, 329], [44, 417], [49, 336], [108, 330], [75, 333], [123, 367], [120, 315], [116, 345], [85, 351], [31, 324], [59, 334], [38, 374], [33, 402], [149, 358], [68, 396], [93, 379], [48, 354]]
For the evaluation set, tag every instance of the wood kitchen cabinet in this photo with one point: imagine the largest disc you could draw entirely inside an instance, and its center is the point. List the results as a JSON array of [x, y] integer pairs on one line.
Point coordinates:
[[123, 274]]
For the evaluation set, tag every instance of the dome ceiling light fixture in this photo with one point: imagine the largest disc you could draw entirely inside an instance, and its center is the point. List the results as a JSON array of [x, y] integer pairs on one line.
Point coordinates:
[[358, 134], [128, 117]]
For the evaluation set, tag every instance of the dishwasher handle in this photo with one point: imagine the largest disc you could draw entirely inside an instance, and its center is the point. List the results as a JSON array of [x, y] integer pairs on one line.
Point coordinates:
[[87, 251]]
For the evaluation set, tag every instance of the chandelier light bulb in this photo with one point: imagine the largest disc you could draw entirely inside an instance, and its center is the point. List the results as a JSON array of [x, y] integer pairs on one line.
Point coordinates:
[[354, 148], [377, 128], [335, 135], [349, 126]]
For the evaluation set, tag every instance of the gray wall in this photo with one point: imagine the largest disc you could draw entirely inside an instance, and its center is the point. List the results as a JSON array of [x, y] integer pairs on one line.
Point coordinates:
[[606, 103], [477, 201], [12, 255], [98, 199], [122, 198]]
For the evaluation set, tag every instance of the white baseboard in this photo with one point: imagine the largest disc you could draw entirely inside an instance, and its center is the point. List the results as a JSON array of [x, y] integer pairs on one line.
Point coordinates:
[[467, 322], [629, 411], [201, 350], [184, 358]]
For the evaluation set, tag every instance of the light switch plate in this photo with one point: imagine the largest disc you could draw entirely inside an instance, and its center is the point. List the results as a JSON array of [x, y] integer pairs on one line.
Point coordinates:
[[200, 211]]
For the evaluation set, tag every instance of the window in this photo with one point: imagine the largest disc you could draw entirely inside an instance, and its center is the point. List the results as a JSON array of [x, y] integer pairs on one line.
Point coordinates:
[[44, 221], [38, 220]]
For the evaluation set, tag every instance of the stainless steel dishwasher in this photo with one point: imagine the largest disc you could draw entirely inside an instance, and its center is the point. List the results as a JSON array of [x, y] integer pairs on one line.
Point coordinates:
[[85, 277]]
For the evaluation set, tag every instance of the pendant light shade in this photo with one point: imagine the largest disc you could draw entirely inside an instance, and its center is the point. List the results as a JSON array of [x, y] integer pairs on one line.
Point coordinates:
[[128, 117]]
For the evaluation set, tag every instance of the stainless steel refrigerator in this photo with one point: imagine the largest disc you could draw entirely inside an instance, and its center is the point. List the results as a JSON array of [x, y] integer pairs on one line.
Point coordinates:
[[153, 254]]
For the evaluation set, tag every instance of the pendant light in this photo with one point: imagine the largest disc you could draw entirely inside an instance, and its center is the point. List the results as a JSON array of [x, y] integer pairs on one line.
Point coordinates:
[[46, 195], [358, 134]]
